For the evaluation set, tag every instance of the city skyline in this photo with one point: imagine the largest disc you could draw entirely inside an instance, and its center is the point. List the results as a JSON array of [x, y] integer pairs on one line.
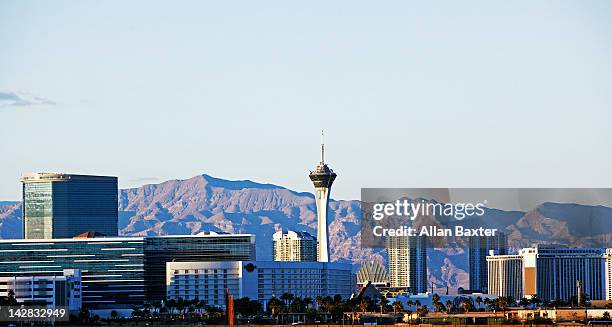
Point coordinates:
[[441, 94], [162, 164]]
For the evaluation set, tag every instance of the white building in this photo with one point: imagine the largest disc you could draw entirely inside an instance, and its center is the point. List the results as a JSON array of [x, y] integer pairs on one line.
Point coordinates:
[[505, 275], [205, 281], [51, 291], [294, 246], [258, 280]]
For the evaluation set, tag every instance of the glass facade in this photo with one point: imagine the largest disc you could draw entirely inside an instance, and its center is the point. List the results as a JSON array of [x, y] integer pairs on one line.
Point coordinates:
[[112, 268], [39, 209], [119, 272], [214, 247], [61, 205]]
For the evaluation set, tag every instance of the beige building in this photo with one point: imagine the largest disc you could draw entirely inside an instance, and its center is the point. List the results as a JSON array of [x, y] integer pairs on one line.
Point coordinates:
[[407, 263], [294, 246], [505, 275]]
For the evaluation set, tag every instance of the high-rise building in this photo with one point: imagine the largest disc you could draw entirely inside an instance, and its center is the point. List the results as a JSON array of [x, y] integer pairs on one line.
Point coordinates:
[[59, 205], [478, 249], [608, 273], [294, 246], [505, 275], [407, 262], [322, 178], [257, 280], [552, 272]]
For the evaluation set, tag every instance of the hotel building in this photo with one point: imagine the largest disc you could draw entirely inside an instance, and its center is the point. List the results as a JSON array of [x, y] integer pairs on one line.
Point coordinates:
[[180, 248], [505, 275], [258, 280], [407, 263], [478, 249], [57, 205], [294, 246], [550, 272]]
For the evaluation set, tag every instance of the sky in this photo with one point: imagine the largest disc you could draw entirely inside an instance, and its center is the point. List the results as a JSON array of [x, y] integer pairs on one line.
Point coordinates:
[[409, 93]]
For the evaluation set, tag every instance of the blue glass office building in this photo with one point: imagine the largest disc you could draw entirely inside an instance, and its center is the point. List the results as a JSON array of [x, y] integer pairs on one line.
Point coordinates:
[[112, 268], [59, 205], [119, 272]]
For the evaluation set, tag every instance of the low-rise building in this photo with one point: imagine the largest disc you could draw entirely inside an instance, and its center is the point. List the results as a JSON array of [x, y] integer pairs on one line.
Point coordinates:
[[119, 272], [50, 291], [258, 280]]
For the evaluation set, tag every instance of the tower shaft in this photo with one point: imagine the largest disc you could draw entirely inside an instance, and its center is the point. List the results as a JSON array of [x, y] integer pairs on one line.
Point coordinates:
[[322, 200]]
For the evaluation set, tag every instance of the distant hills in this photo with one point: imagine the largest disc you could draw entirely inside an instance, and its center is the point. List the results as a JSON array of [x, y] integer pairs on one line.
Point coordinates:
[[206, 203]]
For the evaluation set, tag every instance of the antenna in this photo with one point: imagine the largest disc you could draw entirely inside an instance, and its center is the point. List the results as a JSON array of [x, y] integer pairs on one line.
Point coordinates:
[[322, 148]]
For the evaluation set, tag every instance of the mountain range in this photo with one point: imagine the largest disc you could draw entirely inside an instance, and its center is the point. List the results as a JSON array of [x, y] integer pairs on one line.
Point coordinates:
[[206, 203]]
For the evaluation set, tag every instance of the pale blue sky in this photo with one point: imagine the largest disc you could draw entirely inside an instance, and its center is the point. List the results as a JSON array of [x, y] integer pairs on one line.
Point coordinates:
[[411, 94]]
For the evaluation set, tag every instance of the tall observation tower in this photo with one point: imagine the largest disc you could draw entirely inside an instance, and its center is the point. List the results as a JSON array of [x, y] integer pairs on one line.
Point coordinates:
[[322, 178]]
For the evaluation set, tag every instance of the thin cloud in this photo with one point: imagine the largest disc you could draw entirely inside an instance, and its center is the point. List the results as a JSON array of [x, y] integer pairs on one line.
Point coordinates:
[[22, 99]]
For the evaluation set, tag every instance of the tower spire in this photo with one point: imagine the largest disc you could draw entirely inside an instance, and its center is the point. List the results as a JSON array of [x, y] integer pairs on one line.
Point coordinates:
[[322, 148]]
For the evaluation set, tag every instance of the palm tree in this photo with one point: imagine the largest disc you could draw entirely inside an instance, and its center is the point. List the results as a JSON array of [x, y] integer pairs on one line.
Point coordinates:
[[422, 311], [397, 306], [363, 305], [501, 303], [384, 303], [417, 303], [171, 304], [11, 298], [297, 305], [466, 304], [487, 303], [449, 306], [275, 306], [287, 298], [320, 302], [535, 300], [478, 301], [435, 300], [307, 302]]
